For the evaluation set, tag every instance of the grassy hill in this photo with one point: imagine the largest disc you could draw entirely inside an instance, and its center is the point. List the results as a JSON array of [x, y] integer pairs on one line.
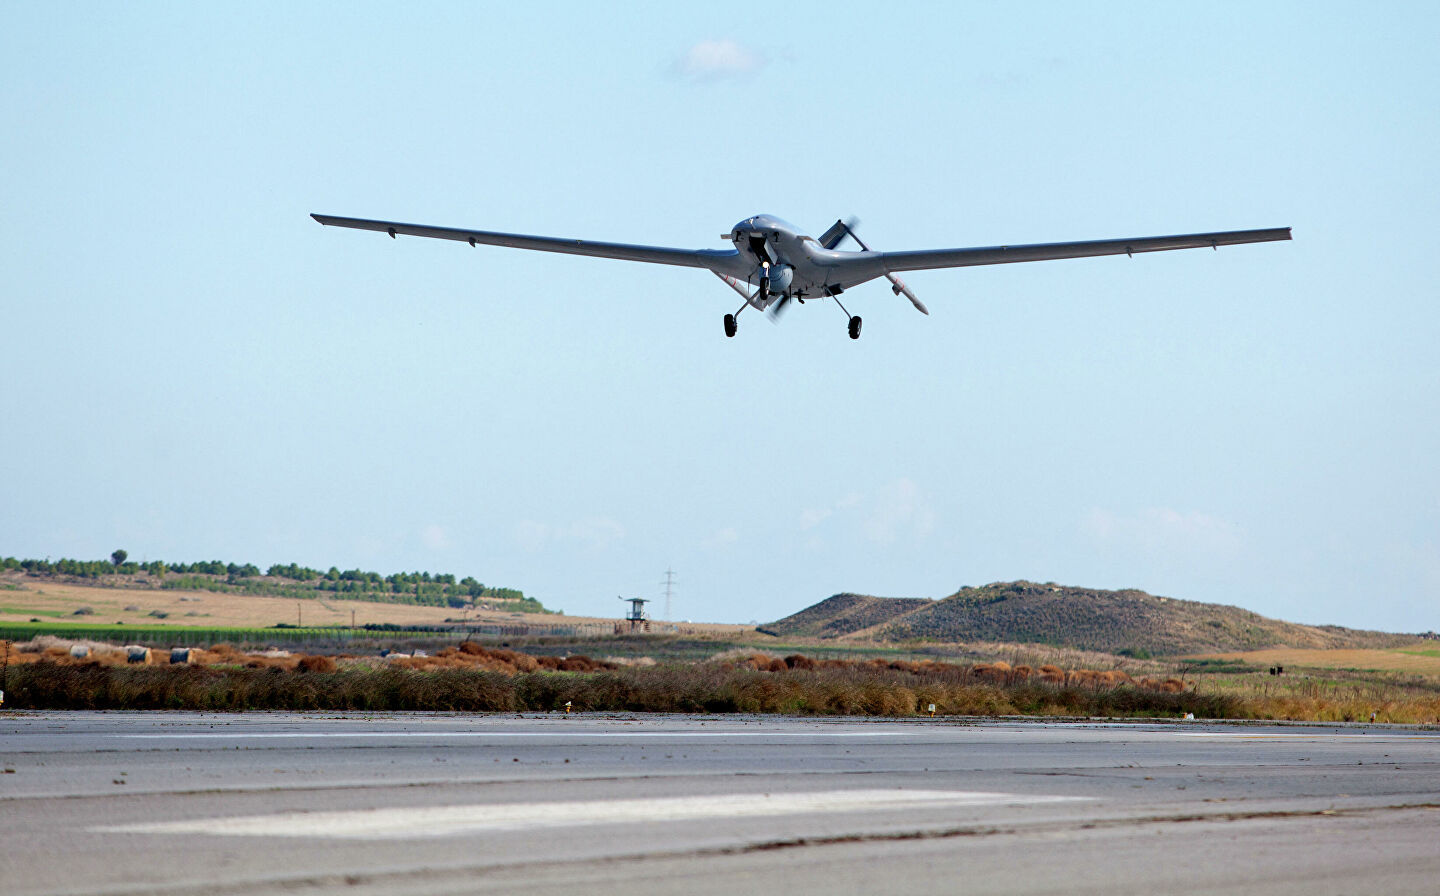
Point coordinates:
[[845, 614], [287, 581], [1129, 622]]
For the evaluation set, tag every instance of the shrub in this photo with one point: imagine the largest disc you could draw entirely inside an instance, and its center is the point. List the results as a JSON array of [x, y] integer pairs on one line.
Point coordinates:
[[473, 678], [317, 664]]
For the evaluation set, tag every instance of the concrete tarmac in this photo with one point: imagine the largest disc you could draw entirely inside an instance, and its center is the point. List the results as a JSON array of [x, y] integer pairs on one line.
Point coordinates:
[[122, 803]]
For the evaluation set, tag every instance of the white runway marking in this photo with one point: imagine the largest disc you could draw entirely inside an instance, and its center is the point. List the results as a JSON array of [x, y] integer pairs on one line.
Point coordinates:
[[1285, 735], [236, 735], [444, 821]]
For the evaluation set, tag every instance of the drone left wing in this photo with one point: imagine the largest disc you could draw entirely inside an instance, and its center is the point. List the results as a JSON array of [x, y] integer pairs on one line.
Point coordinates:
[[721, 261]]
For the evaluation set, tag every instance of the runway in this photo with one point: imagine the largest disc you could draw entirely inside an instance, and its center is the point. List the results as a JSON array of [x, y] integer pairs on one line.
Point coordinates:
[[122, 803]]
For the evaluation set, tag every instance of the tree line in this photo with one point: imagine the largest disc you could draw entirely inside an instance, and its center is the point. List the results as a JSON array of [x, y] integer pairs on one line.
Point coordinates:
[[285, 579]]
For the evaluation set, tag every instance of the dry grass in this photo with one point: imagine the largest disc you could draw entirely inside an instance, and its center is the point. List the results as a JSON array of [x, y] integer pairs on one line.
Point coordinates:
[[474, 677], [1338, 697], [57, 602], [212, 609], [707, 687], [1301, 658], [470, 676]]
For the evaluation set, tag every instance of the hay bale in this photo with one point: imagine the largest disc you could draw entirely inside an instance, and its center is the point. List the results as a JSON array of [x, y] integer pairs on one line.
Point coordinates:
[[521, 662], [137, 655], [79, 651], [226, 653], [1052, 674], [997, 673], [184, 656], [581, 663], [1165, 686], [317, 664]]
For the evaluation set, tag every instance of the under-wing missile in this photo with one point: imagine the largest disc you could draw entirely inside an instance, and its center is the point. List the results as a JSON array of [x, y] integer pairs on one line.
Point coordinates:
[[898, 287], [842, 229]]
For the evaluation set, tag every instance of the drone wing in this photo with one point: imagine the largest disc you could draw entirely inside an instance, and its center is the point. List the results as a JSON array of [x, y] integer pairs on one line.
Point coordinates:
[[721, 261], [891, 262]]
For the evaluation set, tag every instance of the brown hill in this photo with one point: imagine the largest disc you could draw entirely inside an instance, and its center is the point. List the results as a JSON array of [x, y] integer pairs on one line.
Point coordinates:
[[845, 614], [1025, 612]]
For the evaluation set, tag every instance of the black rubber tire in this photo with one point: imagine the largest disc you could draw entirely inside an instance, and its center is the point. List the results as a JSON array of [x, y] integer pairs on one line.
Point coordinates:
[[730, 325], [854, 328]]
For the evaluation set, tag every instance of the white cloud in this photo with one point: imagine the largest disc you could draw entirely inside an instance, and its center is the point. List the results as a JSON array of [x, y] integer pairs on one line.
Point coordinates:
[[1162, 529], [596, 534], [721, 538], [899, 510], [811, 518], [894, 511], [435, 537], [531, 535], [716, 59]]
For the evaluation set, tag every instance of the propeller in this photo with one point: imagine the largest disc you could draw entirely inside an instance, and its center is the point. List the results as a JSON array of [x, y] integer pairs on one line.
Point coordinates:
[[833, 237], [777, 309], [841, 229]]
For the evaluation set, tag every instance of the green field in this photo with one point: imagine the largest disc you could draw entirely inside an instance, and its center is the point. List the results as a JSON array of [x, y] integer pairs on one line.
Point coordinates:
[[161, 634], [21, 611]]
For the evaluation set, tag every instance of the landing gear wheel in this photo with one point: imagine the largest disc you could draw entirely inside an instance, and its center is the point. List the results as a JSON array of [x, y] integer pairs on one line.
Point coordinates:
[[854, 328], [730, 325]]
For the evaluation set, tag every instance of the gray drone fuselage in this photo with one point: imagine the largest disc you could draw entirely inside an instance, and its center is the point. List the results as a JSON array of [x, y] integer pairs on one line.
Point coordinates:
[[774, 262], [797, 265]]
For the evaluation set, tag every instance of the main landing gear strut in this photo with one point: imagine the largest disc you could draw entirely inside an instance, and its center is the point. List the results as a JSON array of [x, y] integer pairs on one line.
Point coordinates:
[[731, 324], [854, 321]]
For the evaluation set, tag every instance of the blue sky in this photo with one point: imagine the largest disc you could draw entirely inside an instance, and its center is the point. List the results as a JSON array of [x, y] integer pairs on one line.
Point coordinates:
[[193, 369]]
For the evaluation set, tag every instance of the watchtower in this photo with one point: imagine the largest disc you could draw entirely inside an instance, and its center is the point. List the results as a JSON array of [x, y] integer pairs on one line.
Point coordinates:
[[637, 618]]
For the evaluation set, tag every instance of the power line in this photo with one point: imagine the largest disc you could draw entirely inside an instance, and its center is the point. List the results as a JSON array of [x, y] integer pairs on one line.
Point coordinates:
[[668, 583]]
